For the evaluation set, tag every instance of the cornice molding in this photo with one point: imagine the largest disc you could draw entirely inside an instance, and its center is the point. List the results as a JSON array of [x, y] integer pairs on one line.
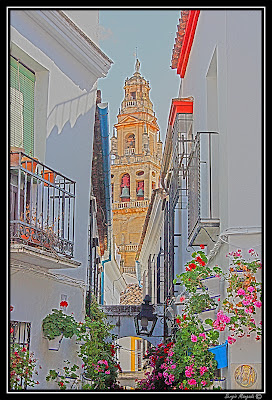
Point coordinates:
[[81, 47]]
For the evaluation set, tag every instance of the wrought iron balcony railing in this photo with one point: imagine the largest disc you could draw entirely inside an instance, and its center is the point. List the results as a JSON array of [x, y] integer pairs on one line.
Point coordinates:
[[42, 205]]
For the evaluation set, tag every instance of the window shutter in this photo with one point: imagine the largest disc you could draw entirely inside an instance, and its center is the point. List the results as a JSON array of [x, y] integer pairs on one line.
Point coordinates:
[[22, 81]]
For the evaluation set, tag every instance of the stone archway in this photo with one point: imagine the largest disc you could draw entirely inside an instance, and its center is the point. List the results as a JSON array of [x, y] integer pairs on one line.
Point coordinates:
[[122, 317]]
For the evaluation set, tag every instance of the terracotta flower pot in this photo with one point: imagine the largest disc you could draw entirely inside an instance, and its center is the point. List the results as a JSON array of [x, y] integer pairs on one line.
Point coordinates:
[[49, 176], [15, 156], [28, 164]]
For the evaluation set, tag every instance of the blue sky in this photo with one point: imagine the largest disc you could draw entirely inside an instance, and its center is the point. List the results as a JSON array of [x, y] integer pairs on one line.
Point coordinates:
[[153, 32]]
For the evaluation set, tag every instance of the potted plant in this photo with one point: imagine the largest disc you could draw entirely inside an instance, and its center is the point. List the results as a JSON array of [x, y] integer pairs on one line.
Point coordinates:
[[57, 325], [15, 155], [197, 273]]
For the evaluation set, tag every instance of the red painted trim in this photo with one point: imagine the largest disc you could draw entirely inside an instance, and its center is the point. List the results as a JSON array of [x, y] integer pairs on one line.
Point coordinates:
[[179, 107], [187, 42]]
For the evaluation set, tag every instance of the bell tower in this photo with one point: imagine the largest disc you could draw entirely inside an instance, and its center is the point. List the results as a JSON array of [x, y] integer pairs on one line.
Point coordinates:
[[136, 151]]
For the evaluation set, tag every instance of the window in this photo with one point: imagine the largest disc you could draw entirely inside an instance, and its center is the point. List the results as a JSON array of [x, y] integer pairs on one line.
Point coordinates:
[[20, 332], [22, 82], [133, 95]]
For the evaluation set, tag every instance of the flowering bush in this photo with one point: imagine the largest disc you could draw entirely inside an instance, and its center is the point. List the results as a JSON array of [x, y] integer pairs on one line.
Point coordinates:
[[195, 365], [243, 295], [155, 380], [97, 351], [22, 367], [187, 363]]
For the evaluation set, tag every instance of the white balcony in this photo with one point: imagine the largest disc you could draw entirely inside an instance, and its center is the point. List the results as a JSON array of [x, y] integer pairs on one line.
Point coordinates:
[[42, 203], [130, 204], [203, 189]]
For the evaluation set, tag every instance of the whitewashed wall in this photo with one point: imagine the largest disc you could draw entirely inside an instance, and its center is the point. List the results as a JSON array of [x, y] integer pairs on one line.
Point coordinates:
[[65, 94], [224, 75]]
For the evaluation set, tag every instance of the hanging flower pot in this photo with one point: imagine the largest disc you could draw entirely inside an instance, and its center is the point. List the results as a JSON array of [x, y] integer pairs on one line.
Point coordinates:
[[207, 314], [87, 381], [54, 344], [212, 285], [219, 383], [220, 354]]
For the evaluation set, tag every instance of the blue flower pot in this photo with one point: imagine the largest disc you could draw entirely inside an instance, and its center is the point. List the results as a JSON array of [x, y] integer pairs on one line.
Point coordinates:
[[220, 354]]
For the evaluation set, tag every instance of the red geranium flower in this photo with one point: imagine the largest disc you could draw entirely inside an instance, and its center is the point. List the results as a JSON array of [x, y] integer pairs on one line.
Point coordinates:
[[63, 303], [202, 246]]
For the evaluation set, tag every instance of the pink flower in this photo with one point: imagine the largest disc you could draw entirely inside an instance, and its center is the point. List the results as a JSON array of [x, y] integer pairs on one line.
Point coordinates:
[[192, 382], [107, 372], [258, 304], [241, 292], [246, 302], [203, 370], [203, 383], [231, 340], [173, 366], [203, 335], [181, 299], [251, 289], [188, 373], [193, 338]]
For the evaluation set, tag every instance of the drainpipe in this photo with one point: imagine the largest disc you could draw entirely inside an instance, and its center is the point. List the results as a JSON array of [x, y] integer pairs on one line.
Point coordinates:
[[103, 112]]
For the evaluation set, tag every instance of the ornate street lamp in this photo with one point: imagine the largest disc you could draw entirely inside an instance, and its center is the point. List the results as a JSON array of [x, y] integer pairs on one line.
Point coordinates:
[[146, 318]]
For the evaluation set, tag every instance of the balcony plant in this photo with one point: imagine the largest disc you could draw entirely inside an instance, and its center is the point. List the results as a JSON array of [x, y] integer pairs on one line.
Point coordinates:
[[58, 323]]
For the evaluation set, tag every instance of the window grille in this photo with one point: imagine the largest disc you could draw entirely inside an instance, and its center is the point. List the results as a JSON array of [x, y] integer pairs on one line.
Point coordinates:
[[20, 332], [22, 82]]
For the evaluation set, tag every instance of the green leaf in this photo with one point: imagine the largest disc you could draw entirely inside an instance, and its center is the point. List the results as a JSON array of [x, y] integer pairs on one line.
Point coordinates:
[[209, 321]]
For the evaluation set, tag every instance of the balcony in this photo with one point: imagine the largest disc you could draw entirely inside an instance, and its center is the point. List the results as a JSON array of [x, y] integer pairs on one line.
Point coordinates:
[[42, 205], [203, 189], [130, 204], [131, 158]]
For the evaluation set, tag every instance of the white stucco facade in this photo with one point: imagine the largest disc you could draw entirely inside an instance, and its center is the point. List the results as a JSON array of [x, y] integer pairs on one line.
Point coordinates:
[[224, 79], [67, 65]]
